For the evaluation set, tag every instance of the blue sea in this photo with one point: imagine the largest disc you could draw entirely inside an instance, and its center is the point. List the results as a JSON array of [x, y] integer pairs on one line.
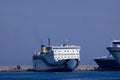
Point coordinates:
[[82, 75]]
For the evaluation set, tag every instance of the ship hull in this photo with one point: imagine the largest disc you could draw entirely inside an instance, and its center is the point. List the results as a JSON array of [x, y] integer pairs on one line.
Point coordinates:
[[115, 52], [68, 65], [107, 64]]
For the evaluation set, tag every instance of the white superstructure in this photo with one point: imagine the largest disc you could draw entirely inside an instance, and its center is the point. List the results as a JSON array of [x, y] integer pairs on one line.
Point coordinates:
[[66, 52], [116, 43], [115, 50]]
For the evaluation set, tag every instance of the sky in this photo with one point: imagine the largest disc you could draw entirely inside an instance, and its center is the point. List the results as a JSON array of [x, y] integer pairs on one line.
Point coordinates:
[[27, 24]]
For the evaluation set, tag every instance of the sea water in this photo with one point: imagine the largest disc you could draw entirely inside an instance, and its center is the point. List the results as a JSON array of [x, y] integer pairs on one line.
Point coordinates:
[[81, 75]]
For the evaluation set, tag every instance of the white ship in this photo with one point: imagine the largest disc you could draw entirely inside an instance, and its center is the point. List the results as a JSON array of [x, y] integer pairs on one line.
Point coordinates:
[[115, 50], [56, 58]]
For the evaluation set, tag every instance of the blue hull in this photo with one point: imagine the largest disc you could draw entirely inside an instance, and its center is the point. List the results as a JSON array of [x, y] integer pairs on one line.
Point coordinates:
[[107, 64], [46, 62], [66, 65]]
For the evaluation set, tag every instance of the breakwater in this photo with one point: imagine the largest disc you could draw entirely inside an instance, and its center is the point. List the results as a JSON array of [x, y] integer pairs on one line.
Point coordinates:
[[14, 68], [87, 68], [29, 68]]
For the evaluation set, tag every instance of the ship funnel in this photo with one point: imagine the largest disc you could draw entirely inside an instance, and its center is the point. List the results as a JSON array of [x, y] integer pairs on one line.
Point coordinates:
[[43, 49]]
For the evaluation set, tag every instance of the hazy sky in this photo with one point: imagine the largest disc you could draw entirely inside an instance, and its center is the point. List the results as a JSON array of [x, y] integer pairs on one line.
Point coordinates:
[[26, 24]]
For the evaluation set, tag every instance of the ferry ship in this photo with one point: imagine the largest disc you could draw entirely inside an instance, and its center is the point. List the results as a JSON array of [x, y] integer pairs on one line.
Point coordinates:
[[114, 50], [107, 63], [56, 58]]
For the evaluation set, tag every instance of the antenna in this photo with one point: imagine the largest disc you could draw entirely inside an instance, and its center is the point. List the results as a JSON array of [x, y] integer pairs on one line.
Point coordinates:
[[48, 41], [42, 42], [65, 42]]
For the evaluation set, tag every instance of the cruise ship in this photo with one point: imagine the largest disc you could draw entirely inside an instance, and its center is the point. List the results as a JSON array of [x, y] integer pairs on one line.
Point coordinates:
[[114, 50], [56, 58], [107, 63]]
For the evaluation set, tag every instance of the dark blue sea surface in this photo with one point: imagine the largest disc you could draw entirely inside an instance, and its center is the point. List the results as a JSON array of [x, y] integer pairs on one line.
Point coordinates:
[[82, 75]]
